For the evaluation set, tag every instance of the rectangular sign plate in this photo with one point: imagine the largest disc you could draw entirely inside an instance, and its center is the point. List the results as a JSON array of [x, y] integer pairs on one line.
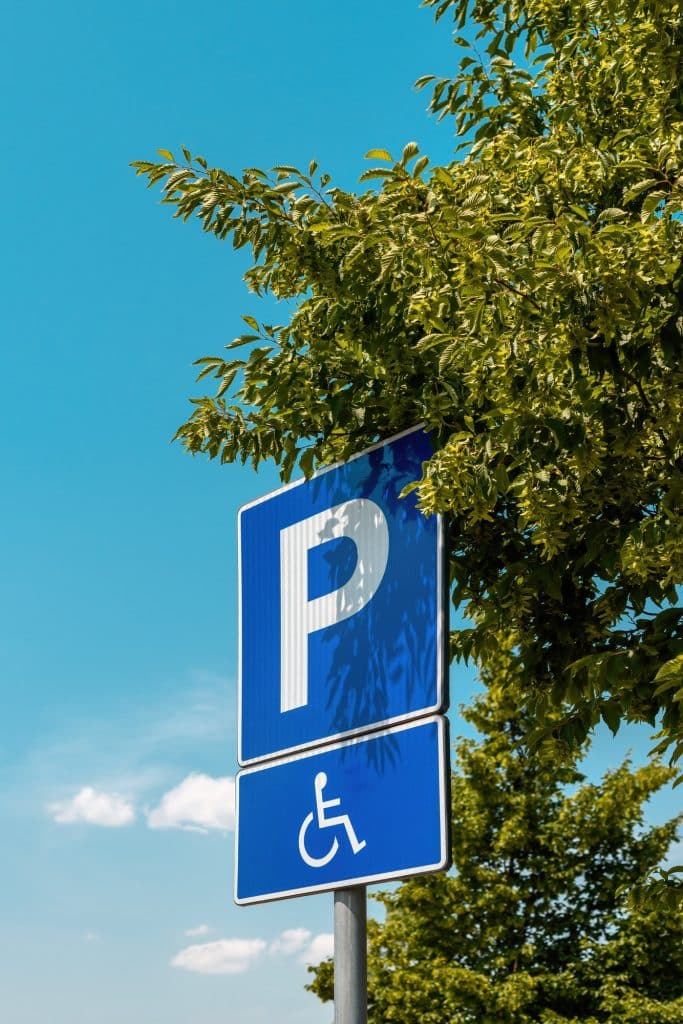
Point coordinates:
[[342, 604], [365, 810]]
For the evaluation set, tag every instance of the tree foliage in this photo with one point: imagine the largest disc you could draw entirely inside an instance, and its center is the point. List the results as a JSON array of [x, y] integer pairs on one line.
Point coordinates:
[[526, 303], [534, 925]]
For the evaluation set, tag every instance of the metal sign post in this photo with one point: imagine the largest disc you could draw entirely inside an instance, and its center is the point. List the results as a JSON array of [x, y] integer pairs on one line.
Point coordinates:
[[350, 956]]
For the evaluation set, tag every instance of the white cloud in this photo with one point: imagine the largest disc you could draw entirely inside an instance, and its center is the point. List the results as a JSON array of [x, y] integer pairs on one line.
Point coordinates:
[[93, 807], [226, 956], [198, 803], [195, 933], [291, 941], [136, 748], [235, 956], [321, 946]]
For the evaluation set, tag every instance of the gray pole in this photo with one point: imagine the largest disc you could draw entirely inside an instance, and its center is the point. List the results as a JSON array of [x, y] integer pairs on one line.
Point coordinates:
[[350, 956]]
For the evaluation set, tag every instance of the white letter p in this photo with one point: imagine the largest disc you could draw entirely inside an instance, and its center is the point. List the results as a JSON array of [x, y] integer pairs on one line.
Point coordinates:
[[363, 522]]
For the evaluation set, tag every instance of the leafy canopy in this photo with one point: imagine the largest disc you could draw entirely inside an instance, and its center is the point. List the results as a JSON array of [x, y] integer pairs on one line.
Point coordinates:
[[534, 926], [526, 303]]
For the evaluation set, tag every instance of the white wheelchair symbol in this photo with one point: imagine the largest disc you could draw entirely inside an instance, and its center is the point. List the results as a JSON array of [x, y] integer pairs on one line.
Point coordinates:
[[324, 822]]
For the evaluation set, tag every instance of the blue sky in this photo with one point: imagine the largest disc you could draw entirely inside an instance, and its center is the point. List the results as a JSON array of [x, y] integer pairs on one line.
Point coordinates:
[[118, 587]]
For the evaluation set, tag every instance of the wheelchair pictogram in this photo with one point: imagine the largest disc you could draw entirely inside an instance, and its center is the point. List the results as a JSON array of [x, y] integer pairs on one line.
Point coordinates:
[[321, 806]]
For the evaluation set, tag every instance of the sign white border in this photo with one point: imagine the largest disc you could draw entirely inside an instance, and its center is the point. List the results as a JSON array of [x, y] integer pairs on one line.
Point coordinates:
[[442, 864], [441, 704]]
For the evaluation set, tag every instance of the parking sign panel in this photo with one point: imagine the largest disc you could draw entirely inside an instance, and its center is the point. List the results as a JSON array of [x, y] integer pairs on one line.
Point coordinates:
[[341, 604], [364, 810]]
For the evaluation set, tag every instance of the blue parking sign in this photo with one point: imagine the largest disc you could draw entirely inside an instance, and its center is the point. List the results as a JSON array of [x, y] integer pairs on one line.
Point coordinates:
[[364, 810], [342, 604]]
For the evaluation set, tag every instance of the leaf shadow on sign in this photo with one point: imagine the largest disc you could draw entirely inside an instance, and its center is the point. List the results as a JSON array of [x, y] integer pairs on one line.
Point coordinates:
[[384, 656]]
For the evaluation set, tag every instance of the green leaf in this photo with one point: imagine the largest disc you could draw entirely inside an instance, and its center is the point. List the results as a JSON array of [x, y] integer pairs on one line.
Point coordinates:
[[420, 166], [244, 339], [376, 172], [640, 186], [226, 381], [409, 151], [611, 717], [306, 462]]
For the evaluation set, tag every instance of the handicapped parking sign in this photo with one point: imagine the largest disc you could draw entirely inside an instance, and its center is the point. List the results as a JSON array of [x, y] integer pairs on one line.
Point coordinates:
[[342, 617], [358, 811], [323, 822]]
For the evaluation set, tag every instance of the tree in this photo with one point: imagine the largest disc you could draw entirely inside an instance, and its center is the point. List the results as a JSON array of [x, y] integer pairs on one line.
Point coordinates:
[[526, 303], [535, 925]]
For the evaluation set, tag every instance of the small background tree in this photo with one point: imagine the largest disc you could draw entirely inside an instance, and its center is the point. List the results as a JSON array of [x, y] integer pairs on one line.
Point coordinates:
[[534, 923]]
